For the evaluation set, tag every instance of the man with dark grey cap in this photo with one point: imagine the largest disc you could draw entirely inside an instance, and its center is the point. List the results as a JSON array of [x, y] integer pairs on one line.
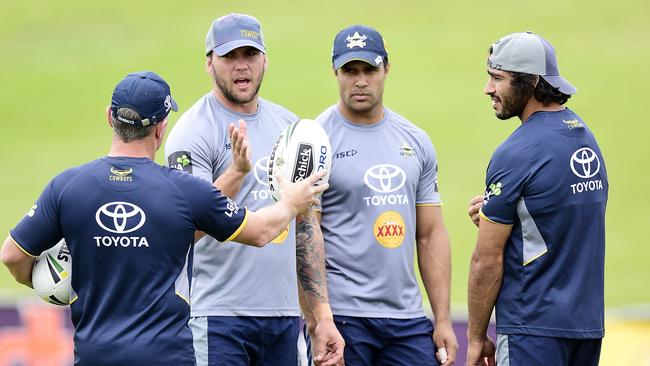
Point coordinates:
[[540, 252], [245, 308], [129, 224], [382, 206]]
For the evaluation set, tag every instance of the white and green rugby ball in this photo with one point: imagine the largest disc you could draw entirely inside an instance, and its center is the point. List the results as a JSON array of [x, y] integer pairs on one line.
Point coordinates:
[[301, 149], [52, 275]]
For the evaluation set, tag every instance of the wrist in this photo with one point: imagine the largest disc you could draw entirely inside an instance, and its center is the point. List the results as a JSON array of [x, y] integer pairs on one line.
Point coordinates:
[[235, 169], [322, 312]]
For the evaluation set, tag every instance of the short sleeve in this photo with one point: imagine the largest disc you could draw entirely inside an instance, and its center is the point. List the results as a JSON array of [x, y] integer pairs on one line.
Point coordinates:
[[427, 190], [39, 229], [214, 213], [191, 151], [505, 180]]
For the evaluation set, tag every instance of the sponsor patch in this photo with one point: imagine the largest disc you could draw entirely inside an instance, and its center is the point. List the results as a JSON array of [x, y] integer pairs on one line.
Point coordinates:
[[389, 229], [181, 160]]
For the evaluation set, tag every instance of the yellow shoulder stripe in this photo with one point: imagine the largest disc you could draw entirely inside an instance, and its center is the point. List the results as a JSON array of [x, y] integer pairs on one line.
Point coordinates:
[[241, 227], [21, 248], [480, 212]]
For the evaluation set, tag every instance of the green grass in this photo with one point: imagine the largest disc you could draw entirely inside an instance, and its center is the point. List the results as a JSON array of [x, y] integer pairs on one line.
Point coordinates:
[[60, 61]]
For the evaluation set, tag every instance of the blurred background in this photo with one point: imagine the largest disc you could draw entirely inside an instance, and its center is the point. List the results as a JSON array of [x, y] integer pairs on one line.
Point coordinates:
[[59, 62]]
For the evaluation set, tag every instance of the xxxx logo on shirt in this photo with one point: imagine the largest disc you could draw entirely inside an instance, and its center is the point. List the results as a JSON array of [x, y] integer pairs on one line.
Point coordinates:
[[389, 229]]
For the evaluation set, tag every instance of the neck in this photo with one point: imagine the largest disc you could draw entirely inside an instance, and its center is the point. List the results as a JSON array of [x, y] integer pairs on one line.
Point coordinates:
[[143, 148], [369, 117], [536, 106], [244, 108]]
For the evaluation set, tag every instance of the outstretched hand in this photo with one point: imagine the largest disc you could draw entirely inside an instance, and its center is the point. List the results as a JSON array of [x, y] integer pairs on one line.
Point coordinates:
[[241, 156]]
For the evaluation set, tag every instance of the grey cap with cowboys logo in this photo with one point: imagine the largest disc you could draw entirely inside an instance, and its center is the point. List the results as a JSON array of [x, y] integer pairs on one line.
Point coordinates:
[[233, 31], [531, 54], [358, 43]]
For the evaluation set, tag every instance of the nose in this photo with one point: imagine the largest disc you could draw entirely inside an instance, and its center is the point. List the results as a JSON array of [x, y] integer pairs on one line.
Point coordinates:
[[361, 81], [489, 87]]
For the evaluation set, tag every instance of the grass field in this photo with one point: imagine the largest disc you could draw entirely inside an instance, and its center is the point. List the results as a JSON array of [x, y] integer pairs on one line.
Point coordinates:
[[60, 61]]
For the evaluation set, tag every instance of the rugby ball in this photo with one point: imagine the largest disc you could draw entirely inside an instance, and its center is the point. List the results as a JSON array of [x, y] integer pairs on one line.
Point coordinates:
[[302, 148], [52, 273]]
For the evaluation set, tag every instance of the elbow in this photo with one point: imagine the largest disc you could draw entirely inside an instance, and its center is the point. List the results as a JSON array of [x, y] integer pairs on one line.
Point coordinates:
[[485, 262], [260, 242]]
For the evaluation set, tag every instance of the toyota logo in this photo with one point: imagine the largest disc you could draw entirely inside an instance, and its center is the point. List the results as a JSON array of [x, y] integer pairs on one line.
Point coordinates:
[[261, 171], [585, 163], [120, 217], [385, 178]]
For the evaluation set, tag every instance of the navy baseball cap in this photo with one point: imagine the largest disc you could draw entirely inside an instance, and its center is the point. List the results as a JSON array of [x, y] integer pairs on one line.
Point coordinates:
[[233, 31], [146, 93], [531, 54], [358, 43]]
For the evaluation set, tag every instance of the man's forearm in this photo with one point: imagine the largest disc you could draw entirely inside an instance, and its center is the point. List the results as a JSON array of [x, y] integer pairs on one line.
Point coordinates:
[[485, 279], [434, 262], [310, 264], [230, 182]]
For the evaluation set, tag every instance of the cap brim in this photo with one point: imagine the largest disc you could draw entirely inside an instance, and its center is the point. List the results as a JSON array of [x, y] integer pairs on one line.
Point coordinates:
[[229, 46], [559, 82], [174, 105], [371, 58]]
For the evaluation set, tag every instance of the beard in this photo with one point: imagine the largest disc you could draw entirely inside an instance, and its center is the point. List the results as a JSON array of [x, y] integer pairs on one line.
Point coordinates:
[[513, 103], [227, 89]]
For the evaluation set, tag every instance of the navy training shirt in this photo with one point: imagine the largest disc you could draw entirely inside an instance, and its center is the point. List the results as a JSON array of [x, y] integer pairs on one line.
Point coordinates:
[[548, 180], [129, 225]]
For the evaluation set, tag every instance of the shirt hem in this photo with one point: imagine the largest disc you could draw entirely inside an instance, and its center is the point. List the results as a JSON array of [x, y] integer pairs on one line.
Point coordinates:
[[399, 314], [557, 333], [245, 312]]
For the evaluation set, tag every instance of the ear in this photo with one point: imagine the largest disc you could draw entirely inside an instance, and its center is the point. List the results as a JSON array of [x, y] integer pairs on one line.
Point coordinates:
[[208, 64], [266, 62], [108, 116], [536, 81], [387, 67], [161, 128]]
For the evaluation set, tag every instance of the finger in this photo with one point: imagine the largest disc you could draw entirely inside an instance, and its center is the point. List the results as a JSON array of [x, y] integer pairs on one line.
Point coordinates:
[[442, 354], [231, 128], [475, 200], [320, 188], [242, 127], [315, 176], [491, 361]]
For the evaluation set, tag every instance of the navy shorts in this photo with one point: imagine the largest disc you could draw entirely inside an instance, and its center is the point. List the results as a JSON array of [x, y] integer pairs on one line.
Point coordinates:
[[386, 341], [520, 350], [245, 340]]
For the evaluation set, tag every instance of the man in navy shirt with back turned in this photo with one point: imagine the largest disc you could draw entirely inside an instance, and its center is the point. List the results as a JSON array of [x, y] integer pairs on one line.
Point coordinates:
[[540, 251], [129, 225]]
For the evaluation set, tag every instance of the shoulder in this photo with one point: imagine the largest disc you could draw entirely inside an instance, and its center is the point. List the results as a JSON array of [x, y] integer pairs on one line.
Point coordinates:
[[277, 110], [328, 116], [401, 122], [408, 128]]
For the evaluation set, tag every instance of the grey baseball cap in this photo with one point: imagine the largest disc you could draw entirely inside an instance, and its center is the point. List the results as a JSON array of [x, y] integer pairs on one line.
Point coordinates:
[[531, 54], [233, 31]]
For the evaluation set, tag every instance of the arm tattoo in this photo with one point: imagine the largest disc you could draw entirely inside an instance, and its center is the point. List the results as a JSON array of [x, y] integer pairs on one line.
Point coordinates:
[[310, 257]]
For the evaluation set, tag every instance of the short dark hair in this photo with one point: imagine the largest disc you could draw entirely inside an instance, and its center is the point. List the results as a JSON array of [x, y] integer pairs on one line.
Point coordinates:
[[543, 91], [126, 131]]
